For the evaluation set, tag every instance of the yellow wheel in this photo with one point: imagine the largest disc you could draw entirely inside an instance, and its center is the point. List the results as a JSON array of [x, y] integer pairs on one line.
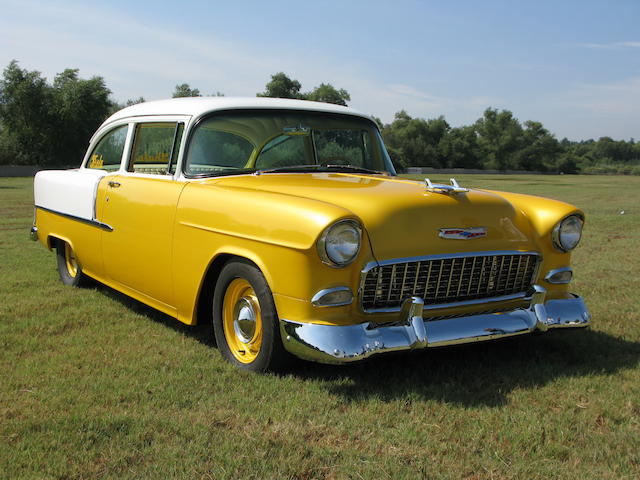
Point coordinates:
[[68, 266], [242, 320], [245, 322], [70, 260]]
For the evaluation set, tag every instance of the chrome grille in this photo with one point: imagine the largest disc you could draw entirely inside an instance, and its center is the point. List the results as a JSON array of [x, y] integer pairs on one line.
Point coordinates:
[[444, 280]]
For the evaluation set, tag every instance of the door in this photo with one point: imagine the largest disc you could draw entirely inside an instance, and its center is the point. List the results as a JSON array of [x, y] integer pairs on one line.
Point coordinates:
[[140, 206]]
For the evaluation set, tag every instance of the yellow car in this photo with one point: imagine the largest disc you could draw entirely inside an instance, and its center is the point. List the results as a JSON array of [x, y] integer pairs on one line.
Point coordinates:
[[284, 223]]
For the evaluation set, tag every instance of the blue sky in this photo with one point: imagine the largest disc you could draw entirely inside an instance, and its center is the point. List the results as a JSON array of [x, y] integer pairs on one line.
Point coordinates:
[[572, 65]]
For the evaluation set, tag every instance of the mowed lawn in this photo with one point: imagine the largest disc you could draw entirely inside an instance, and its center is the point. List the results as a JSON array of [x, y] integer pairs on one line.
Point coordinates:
[[94, 385]]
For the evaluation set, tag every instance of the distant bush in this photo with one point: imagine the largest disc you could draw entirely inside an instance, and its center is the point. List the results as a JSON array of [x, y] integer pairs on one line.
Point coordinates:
[[611, 169]]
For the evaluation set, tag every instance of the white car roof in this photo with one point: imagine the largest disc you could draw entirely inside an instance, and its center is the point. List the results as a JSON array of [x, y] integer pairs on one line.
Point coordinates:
[[196, 106]]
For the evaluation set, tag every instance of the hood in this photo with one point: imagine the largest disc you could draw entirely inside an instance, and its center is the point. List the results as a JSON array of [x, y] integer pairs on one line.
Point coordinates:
[[401, 218]]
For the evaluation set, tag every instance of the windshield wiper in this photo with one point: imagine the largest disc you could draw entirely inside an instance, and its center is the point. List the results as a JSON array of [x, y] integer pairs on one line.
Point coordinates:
[[316, 168], [290, 168], [353, 168]]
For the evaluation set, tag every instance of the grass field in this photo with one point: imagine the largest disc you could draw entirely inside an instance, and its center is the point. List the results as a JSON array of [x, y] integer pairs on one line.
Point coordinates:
[[95, 385]]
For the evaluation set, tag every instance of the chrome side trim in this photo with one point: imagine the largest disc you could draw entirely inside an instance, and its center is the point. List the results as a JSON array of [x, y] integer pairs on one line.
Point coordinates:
[[342, 344], [93, 223], [316, 298], [549, 277]]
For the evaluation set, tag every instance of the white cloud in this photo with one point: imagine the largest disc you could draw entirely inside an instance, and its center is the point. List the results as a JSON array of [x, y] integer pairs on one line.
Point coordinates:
[[134, 58], [610, 46]]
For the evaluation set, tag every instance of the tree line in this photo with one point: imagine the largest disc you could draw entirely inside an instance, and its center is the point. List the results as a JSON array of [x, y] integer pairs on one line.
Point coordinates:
[[50, 125]]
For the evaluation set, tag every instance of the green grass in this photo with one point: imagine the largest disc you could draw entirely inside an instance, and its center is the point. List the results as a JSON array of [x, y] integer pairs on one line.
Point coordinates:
[[95, 385]]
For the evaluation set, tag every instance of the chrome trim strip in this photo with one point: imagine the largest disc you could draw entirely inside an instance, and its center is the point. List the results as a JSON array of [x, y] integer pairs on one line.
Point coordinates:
[[93, 223], [316, 298], [446, 256], [552, 273], [465, 303], [349, 343]]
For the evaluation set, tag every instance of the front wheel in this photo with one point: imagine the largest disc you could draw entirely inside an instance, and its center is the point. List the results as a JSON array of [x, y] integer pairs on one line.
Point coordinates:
[[245, 322], [68, 267]]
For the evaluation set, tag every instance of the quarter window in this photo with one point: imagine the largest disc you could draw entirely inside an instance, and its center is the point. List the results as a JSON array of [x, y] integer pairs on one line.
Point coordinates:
[[108, 153]]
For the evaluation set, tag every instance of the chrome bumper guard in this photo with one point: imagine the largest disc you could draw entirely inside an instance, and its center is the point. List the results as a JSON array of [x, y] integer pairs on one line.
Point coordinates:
[[342, 344], [33, 233]]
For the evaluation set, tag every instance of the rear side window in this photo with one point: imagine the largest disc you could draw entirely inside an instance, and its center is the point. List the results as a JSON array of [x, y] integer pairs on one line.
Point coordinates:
[[155, 148], [108, 153]]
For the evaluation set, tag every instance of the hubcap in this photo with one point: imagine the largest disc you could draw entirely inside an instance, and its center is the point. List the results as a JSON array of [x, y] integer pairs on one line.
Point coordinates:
[[242, 321]]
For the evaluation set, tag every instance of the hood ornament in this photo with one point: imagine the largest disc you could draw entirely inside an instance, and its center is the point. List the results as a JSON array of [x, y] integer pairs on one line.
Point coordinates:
[[451, 189]]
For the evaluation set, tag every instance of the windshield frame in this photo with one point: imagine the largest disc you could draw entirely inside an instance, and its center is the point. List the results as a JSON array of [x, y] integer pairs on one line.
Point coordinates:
[[377, 142]]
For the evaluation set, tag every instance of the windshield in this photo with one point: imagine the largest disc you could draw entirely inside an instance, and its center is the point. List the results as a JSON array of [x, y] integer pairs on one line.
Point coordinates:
[[285, 140]]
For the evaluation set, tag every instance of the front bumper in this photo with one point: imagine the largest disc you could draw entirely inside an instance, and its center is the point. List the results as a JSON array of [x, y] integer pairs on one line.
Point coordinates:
[[342, 344]]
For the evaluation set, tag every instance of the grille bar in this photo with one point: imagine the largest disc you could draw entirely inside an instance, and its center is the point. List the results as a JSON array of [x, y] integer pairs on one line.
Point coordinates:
[[448, 279]]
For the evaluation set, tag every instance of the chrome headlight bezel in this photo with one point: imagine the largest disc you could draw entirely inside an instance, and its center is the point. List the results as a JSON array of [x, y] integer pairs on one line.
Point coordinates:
[[559, 234], [324, 243]]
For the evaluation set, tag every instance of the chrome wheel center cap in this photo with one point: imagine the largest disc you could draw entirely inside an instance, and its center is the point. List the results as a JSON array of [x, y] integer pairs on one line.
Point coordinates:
[[244, 319]]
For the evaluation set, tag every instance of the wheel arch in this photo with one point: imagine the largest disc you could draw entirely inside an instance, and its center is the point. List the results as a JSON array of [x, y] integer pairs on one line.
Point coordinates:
[[204, 299], [53, 239]]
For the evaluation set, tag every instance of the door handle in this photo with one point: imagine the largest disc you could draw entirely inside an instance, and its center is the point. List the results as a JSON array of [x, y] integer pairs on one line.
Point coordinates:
[[113, 184]]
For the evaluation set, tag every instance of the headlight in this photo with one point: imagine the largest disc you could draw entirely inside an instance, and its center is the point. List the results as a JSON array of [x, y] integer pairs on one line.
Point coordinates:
[[566, 234], [339, 244]]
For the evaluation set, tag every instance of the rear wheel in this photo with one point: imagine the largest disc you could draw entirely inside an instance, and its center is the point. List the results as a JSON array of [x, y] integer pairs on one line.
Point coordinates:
[[245, 322], [68, 267]]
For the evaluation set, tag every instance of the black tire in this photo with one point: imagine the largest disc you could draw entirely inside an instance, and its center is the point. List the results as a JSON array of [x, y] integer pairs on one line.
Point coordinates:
[[68, 267], [242, 288]]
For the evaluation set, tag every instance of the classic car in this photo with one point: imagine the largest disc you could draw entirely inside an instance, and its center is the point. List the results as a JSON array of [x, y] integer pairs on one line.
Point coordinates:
[[284, 223]]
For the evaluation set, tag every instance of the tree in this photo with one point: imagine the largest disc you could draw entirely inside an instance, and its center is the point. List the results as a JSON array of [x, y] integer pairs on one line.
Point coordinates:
[[134, 101], [328, 93], [416, 141], [500, 138], [539, 150], [49, 124], [281, 86], [26, 115], [80, 106], [184, 90], [460, 149]]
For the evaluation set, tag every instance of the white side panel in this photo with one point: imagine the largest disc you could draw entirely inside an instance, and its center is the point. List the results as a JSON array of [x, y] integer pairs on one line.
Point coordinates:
[[72, 192]]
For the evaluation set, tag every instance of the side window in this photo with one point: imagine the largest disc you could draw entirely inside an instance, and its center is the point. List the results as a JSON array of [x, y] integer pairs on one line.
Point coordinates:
[[108, 152], [155, 148]]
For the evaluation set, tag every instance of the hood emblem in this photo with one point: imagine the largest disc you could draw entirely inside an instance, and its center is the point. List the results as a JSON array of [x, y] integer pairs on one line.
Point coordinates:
[[463, 233]]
